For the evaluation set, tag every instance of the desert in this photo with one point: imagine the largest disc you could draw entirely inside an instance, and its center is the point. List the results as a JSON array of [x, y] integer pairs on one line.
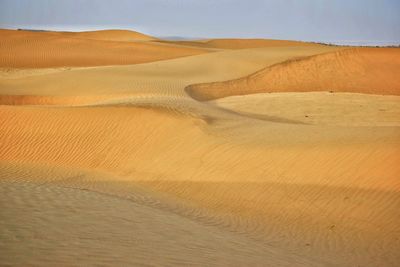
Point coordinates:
[[122, 149]]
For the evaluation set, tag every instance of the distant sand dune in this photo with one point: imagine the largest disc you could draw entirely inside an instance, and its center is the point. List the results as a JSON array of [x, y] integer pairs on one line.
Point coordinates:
[[24, 49], [240, 43], [111, 35], [163, 77], [361, 70]]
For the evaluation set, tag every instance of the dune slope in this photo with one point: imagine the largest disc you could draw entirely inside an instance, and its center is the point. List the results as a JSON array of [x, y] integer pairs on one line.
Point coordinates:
[[215, 165], [360, 70]]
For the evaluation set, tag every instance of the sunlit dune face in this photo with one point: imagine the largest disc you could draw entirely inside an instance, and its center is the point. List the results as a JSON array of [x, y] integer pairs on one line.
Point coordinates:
[[361, 70]]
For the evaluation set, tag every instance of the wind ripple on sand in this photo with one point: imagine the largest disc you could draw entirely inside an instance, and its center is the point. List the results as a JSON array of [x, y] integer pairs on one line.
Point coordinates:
[[113, 165], [26, 49], [134, 216]]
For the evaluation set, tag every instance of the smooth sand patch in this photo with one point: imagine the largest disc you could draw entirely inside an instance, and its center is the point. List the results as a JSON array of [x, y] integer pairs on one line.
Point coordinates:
[[317, 108]]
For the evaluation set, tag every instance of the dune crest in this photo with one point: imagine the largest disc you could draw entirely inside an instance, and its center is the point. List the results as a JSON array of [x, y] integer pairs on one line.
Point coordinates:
[[111, 35]]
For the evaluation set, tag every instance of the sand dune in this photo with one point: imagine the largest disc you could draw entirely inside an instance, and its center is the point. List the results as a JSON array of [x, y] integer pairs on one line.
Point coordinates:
[[164, 77], [230, 172], [109, 165], [24, 49], [28, 49], [361, 70], [240, 43], [111, 35]]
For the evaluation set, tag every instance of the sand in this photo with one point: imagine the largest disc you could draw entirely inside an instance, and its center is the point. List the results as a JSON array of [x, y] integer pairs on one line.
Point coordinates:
[[118, 165], [239, 43], [355, 70], [25, 49]]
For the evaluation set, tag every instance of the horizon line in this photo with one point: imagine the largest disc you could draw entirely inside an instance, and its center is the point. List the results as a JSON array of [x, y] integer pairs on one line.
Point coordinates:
[[371, 43]]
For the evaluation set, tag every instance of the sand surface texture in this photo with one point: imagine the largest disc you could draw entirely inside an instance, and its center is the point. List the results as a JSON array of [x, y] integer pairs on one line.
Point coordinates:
[[120, 149]]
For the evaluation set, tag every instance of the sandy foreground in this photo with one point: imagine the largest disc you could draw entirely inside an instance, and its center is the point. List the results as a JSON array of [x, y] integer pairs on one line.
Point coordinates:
[[120, 149]]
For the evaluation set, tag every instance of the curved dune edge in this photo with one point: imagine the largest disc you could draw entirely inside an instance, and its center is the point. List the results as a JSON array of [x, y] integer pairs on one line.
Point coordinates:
[[310, 108], [179, 105], [164, 135], [162, 77], [357, 70], [24, 49]]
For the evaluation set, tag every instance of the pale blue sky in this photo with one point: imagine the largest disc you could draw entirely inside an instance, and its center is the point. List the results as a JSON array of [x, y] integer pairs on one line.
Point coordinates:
[[374, 21]]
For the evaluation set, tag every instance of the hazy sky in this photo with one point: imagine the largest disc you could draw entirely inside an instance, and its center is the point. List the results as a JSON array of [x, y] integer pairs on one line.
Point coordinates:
[[318, 20]]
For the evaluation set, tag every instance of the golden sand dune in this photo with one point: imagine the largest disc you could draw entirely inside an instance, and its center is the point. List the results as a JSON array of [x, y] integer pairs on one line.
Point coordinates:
[[110, 35], [240, 43], [164, 77], [135, 123], [117, 165], [25, 49], [252, 178], [361, 70]]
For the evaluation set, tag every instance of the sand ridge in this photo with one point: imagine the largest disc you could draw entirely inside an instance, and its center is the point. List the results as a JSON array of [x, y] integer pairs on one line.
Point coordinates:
[[164, 77], [111, 35], [356, 70]]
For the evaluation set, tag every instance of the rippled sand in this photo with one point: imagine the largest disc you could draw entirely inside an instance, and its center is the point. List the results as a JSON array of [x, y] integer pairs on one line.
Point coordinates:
[[293, 160]]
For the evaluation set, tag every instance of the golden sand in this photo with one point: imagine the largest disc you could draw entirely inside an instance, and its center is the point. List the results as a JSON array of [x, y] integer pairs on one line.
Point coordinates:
[[25, 49], [355, 70], [118, 165]]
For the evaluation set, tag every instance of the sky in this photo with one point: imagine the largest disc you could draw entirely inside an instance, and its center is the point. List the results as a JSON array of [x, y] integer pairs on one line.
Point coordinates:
[[336, 21]]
